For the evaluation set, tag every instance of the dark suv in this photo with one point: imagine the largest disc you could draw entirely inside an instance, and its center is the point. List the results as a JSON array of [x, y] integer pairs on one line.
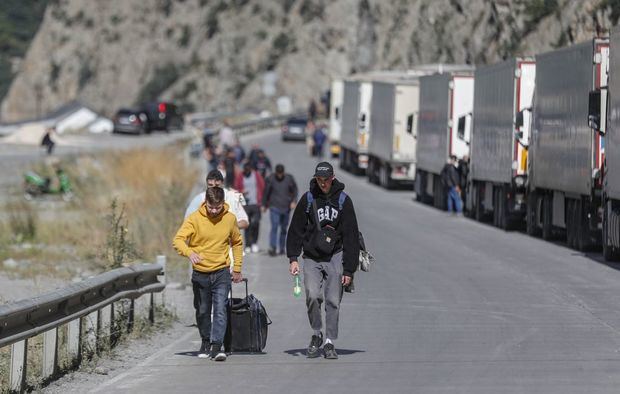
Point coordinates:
[[162, 116]]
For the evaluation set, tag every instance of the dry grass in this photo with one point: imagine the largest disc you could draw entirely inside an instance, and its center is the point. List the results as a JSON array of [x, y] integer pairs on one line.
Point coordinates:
[[152, 185]]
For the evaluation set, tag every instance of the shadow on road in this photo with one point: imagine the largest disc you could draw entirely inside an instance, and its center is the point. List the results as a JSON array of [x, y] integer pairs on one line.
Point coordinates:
[[194, 353], [341, 352]]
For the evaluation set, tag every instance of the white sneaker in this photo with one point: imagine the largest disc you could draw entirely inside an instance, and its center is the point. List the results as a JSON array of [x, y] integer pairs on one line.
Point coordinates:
[[247, 249], [255, 248], [221, 356]]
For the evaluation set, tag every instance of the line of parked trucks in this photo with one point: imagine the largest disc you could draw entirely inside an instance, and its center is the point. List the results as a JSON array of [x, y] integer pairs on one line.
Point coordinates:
[[542, 135]]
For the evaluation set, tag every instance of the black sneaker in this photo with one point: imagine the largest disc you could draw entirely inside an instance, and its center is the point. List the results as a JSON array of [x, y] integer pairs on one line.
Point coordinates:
[[330, 351], [216, 352], [204, 349], [315, 345], [272, 252]]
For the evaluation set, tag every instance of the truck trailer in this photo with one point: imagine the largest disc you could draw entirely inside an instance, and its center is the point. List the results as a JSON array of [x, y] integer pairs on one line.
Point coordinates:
[[355, 124], [335, 116], [566, 154], [604, 118], [499, 141], [444, 128], [391, 150]]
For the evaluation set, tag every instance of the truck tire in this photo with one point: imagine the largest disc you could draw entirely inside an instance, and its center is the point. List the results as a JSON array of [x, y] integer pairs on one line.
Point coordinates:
[[477, 203], [582, 233], [341, 160], [547, 211], [531, 216], [570, 223], [419, 186], [384, 176], [610, 253]]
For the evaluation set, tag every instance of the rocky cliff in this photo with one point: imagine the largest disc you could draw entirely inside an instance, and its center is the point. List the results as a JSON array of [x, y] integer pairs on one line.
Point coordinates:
[[216, 54]]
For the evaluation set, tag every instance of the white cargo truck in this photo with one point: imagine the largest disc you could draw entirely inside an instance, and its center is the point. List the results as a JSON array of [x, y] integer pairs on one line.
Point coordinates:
[[355, 125], [391, 150], [499, 141], [335, 116], [604, 118], [444, 128], [566, 155]]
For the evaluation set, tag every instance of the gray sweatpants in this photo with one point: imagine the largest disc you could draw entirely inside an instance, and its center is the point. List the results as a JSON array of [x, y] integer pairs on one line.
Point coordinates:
[[322, 281]]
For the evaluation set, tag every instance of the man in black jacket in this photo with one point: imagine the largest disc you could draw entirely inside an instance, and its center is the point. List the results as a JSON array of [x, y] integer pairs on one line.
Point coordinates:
[[279, 197], [325, 271], [451, 181]]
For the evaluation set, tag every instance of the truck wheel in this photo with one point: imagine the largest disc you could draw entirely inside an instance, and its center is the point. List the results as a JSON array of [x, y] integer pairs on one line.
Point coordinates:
[[501, 209], [341, 160], [531, 226], [547, 227], [570, 222], [581, 227], [610, 253], [477, 203]]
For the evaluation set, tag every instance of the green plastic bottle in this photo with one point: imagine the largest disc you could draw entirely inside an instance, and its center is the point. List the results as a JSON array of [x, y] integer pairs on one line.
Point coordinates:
[[297, 287]]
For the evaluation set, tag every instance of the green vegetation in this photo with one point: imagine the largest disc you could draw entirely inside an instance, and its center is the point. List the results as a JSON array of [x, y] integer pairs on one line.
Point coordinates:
[[614, 7], [19, 21], [536, 10]]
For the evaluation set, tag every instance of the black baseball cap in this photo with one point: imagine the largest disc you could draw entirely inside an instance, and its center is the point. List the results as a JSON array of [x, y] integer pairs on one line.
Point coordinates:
[[324, 169]]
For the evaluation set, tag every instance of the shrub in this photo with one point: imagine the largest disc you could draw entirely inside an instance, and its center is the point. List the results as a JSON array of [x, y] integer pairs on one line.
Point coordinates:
[[119, 248], [186, 34], [162, 79]]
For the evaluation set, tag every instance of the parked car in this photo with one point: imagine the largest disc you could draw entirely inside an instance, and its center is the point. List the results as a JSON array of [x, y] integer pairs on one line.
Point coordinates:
[[162, 116], [294, 129], [130, 121]]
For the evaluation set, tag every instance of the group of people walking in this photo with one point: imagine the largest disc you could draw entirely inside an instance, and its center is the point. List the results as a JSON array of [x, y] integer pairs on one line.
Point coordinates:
[[323, 232]]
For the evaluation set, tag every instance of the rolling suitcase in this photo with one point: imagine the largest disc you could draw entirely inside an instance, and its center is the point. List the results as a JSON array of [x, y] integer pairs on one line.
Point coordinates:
[[248, 321]]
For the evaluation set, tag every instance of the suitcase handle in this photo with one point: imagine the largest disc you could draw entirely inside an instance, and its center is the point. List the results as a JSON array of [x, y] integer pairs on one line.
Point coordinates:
[[246, 289]]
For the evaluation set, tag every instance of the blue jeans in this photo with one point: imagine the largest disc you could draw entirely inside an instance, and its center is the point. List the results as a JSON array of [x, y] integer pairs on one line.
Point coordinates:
[[211, 292], [279, 218], [454, 200]]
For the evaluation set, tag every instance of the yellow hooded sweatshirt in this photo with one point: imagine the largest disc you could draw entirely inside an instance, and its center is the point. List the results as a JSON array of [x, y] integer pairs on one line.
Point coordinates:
[[211, 238]]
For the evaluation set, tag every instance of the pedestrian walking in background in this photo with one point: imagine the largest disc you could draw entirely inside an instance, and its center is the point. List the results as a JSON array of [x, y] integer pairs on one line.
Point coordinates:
[[230, 167], [233, 198], [280, 197], [324, 231], [205, 238], [262, 164], [310, 129], [451, 181], [312, 110], [227, 136], [319, 139], [239, 151], [251, 184], [48, 141]]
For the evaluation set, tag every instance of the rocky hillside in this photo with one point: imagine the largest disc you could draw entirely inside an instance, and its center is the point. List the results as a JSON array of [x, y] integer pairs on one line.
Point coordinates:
[[215, 54]]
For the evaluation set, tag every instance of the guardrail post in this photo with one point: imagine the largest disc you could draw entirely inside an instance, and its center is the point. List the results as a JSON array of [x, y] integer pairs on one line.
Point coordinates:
[[50, 354], [161, 297], [18, 365], [74, 339], [104, 319], [131, 315], [152, 308], [90, 331]]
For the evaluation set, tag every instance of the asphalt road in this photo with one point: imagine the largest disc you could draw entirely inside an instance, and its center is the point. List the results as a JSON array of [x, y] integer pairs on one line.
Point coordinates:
[[452, 306]]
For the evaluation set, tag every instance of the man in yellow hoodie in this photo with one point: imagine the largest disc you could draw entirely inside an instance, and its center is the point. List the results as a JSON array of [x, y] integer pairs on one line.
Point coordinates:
[[205, 237]]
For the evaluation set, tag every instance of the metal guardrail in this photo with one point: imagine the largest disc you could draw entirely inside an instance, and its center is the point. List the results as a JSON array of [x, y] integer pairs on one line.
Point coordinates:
[[73, 305]]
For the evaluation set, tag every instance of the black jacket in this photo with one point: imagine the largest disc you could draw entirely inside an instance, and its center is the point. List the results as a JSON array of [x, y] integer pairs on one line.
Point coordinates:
[[345, 222], [450, 176]]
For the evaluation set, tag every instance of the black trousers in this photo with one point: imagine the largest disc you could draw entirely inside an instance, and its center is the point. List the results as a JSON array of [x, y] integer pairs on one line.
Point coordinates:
[[251, 233]]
